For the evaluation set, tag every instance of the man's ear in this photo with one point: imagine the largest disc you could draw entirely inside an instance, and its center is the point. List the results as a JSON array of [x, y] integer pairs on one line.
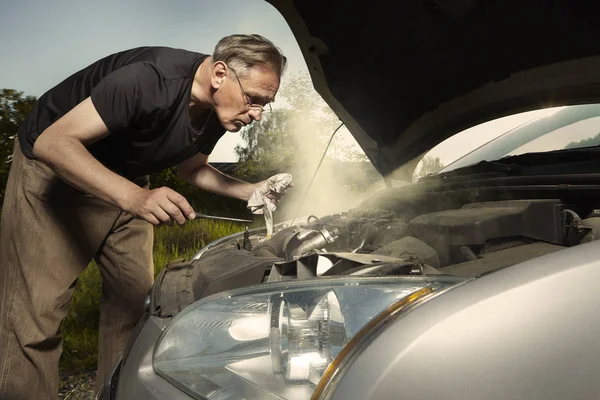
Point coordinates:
[[218, 74]]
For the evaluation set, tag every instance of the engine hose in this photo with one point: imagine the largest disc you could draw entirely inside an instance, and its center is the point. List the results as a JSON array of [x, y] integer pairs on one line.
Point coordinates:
[[369, 233], [273, 246]]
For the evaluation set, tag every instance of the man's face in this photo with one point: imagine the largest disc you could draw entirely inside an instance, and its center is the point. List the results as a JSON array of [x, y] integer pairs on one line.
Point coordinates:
[[240, 100]]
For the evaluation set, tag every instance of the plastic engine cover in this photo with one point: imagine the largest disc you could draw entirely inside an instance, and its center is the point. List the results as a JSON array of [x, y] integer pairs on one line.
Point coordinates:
[[476, 223]]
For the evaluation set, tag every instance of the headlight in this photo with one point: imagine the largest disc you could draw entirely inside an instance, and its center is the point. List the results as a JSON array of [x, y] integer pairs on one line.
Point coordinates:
[[275, 340]]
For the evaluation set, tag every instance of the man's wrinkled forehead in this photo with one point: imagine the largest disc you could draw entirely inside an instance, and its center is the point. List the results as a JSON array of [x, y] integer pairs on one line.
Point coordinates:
[[262, 84]]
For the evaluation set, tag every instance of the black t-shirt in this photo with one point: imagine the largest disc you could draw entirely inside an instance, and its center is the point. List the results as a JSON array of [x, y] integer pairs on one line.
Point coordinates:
[[143, 97]]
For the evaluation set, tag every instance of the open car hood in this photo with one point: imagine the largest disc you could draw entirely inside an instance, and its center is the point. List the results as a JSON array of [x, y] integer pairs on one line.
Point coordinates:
[[404, 76]]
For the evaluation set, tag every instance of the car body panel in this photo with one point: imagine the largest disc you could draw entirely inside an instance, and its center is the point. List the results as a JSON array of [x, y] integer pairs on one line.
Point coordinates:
[[137, 379], [525, 332]]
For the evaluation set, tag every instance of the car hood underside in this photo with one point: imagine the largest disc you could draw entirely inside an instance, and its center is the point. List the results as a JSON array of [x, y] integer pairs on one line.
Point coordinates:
[[404, 76]]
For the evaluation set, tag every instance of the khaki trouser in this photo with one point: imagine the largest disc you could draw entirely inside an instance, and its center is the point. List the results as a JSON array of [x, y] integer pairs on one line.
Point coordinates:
[[48, 235]]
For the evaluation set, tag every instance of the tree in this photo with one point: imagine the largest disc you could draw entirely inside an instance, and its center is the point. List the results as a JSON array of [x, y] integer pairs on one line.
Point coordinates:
[[429, 165], [589, 142], [14, 106], [293, 136], [267, 150]]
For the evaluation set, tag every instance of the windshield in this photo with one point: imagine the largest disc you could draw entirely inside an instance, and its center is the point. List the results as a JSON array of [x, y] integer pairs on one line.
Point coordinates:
[[567, 127], [583, 133]]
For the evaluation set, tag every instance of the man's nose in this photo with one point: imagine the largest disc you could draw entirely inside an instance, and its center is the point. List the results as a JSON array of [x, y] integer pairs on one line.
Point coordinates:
[[255, 114]]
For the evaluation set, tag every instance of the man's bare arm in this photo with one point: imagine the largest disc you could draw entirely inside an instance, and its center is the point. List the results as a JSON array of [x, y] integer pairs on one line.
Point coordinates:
[[198, 172], [62, 146]]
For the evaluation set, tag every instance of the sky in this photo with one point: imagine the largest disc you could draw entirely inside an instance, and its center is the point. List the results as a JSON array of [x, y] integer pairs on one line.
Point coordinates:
[[42, 42]]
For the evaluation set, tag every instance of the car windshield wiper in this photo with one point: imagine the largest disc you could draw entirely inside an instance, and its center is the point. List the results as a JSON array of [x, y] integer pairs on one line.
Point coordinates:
[[581, 159], [554, 156], [485, 167]]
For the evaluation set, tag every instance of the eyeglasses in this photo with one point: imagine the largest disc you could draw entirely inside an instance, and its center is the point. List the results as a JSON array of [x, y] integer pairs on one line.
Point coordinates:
[[264, 109]]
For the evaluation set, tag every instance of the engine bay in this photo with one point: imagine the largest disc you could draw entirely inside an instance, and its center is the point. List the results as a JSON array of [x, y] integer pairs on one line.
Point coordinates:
[[460, 233], [491, 235]]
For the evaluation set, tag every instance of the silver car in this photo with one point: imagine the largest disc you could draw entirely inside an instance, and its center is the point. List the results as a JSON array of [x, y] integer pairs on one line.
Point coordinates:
[[476, 282]]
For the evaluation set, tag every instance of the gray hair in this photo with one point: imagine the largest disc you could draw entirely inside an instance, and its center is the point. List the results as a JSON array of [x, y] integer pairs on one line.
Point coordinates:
[[244, 52]]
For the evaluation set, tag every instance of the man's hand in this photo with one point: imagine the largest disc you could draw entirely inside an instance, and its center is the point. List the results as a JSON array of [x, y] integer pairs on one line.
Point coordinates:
[[159, 206], [272, 189], [275, 196]]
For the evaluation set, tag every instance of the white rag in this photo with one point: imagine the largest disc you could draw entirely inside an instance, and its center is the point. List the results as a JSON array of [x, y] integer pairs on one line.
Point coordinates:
[[259, 203]]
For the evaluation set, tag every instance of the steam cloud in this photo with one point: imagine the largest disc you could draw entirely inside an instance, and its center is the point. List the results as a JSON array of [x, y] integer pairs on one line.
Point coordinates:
[[338, 185]]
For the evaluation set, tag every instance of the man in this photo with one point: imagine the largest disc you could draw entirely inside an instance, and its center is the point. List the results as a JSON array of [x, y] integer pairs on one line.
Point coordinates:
[[78, 189]]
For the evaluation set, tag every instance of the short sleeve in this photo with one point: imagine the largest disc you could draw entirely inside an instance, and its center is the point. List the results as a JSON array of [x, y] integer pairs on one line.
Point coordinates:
[[121, 97], [210, 144]]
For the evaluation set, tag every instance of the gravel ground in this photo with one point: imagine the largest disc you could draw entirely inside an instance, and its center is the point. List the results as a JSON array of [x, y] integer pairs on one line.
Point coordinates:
[[78, 386]]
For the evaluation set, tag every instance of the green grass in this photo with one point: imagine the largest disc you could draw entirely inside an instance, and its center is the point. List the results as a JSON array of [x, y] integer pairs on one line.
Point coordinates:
[[80, 327]]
